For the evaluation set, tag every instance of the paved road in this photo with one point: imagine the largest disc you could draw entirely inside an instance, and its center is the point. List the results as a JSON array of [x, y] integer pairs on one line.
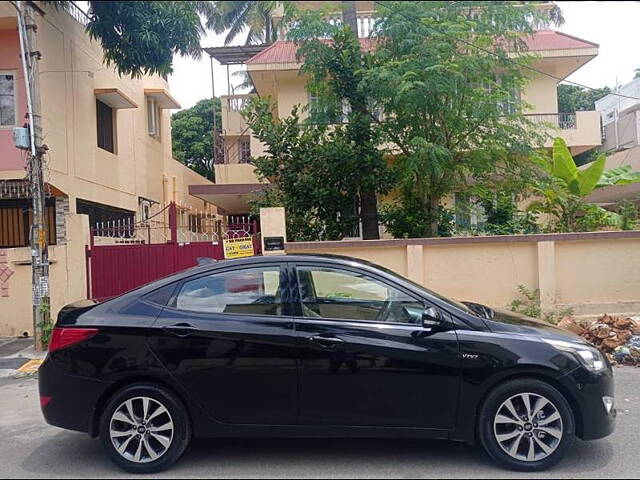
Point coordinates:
[[30, 448]]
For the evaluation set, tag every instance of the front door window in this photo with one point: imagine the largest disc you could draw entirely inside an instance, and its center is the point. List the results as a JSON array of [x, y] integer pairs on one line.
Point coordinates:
[[345, 295]]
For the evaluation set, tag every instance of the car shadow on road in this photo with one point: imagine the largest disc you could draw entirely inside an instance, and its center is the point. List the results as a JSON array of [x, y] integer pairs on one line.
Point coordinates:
[[373, 457], [75, 454]]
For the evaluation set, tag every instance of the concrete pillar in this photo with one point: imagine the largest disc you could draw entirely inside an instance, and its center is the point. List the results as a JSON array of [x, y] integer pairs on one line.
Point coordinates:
[[547, 275], [415, 263], [273, 228]]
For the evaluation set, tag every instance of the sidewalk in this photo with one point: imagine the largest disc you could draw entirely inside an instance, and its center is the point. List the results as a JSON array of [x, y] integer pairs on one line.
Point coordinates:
[[18, 357]]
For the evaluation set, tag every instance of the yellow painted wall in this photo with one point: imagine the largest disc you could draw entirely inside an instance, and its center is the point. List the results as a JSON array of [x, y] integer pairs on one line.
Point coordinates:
[[67, 281], [490, 272], [540, 92], [595, 272], [235, 173], [394, 258]]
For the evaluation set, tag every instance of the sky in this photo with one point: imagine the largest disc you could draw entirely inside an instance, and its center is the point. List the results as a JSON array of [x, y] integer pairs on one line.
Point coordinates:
[[613, 25]]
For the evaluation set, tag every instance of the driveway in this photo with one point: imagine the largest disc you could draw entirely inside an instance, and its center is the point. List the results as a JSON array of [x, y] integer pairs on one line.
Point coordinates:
[[30, 448]]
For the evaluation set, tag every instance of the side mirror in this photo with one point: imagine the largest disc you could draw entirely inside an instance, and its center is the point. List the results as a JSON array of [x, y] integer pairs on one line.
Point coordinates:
[[431, 317]]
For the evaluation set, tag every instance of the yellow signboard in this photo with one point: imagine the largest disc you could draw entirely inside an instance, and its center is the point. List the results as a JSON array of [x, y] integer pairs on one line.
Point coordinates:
[[238, 247]]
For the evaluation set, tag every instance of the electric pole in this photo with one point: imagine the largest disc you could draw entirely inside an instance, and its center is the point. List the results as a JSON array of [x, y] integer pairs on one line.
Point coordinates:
[[38, 233]]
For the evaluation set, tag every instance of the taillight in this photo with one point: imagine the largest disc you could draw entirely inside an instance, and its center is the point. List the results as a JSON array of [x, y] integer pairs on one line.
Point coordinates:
[[65, 337], [44, 401]]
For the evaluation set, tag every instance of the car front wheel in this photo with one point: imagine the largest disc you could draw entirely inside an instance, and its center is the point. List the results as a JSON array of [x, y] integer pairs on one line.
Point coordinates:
[[144, 428], [526, 425]]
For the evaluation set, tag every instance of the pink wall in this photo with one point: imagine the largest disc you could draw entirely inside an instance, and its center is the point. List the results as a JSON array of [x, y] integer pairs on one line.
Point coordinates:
[[10, 157]]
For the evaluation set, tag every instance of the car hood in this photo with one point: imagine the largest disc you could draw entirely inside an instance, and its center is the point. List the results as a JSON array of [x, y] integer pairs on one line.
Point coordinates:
[[507, 321]]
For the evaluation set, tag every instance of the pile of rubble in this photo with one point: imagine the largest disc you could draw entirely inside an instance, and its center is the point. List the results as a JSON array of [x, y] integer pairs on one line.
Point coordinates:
[[617, 337]]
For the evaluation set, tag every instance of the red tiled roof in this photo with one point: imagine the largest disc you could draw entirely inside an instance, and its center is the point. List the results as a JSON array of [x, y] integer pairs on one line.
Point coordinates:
[[285, 51], [552, 40]]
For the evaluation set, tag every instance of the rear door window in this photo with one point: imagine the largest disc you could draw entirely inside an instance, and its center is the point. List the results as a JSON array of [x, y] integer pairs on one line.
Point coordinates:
[[249, 291]]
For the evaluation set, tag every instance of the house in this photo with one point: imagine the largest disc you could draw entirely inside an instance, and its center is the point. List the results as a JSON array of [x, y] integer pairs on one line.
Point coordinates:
[[621, 140], [108, 136], [274, 72], [109, 156]]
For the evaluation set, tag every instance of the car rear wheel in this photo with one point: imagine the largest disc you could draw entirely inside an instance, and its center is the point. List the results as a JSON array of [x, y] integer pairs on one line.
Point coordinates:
[[144, 428], [526, 425]]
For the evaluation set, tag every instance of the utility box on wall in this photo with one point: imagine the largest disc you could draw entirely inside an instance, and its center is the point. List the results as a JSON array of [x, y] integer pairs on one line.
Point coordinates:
[[21, 138]]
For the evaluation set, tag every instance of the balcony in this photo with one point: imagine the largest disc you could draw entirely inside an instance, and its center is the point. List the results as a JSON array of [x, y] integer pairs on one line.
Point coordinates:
[[232, 122], [581, 130], [366, 23], [236, 167]]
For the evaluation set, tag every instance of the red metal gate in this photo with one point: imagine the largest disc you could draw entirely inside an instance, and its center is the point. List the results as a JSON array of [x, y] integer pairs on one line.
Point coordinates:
[[130, 259]]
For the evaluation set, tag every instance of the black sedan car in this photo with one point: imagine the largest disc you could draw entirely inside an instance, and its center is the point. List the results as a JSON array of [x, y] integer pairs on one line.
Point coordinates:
[[317, 346]]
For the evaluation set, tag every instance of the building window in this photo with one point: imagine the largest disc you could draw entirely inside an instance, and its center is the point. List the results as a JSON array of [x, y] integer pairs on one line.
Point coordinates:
[[321, 113], [7, 100], [245, 151], [15, 220], [145, 206], [104, 214], [106, 126], [154, 117]]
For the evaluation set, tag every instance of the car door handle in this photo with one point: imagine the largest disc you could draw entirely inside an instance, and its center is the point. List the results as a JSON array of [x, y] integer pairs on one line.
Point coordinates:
[[326, 342], [180, 329]]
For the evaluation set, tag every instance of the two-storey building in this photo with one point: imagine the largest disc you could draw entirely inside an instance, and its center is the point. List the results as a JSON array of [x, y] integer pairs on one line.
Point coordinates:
[[274, 71]]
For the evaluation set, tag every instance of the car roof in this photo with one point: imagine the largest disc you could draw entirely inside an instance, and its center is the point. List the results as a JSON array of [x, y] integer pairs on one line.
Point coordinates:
[[289, 257], [205, 265]]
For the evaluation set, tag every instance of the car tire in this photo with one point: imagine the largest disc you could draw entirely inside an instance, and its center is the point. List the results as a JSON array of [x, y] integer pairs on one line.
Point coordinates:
[[144, 428], [532, 413]]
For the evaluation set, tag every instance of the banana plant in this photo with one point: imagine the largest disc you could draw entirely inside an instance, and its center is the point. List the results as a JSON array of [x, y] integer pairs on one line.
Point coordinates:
[[563, 197]]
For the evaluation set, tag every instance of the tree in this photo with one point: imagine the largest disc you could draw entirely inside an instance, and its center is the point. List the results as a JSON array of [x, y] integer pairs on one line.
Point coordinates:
[[572, 98], [336, 71], [313, 171], [450, 108], [637, 73], [191, 135], [562, 196], [141, 38], [255, 17]]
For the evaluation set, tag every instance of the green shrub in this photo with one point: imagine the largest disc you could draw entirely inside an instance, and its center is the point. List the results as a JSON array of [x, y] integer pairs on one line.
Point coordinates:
[[529, 304]]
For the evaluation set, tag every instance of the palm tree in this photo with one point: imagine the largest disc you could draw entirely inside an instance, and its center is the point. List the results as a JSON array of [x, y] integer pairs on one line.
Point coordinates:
[[234, 17]]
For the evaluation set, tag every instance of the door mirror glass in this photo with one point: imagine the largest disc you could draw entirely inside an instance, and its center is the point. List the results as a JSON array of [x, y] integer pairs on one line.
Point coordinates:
[[431, 317]]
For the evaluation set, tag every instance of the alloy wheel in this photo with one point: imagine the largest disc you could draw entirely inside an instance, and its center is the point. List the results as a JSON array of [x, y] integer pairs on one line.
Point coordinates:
[[528, 427], [141, 429]]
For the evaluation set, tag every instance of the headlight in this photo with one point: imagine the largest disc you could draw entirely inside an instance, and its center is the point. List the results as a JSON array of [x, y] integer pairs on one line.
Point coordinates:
[[590, 357]]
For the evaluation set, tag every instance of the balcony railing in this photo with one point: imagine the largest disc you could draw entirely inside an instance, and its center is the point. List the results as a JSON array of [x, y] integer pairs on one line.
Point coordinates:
[[76, 12], [366, 24], [562, 121], [232, 121], [235, 103]]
